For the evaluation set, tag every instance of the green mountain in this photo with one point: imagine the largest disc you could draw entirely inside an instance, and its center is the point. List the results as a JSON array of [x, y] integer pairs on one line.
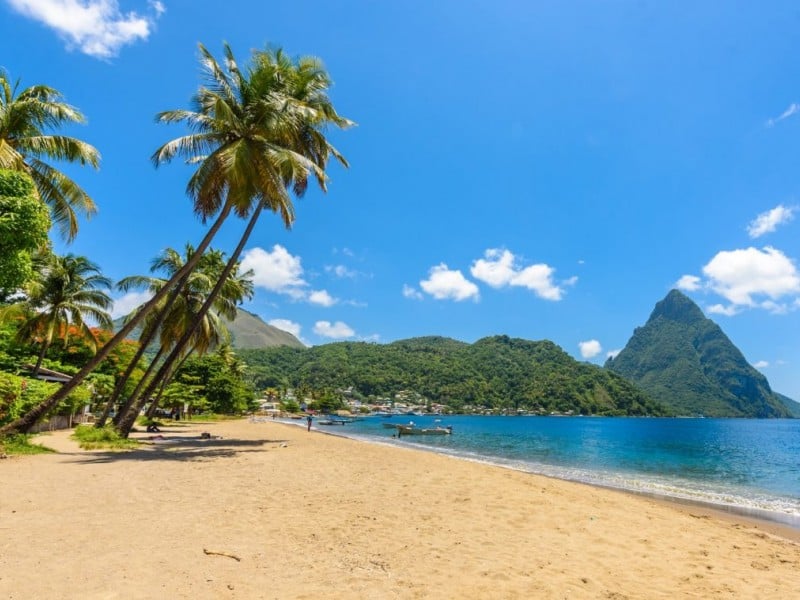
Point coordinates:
[[496, 373], [793, 406], [685, 361], [247, 331]]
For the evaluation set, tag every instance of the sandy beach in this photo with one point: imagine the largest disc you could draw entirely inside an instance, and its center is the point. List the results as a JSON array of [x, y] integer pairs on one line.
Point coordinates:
[[272, 511]]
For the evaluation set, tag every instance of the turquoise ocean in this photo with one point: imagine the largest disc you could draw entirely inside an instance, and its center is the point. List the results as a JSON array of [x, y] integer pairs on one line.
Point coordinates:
[[744, 466]]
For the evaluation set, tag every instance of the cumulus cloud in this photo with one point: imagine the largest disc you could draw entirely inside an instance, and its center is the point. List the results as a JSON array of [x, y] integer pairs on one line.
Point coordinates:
[[761, 364], [768, 221], [794, 108], [322, 297], [287, 326], [445, 284], [590, 348], [495, 269], [124, 305], [275, 271], [688, 283], [337, 331], [613, 353], [96, 27], [720, 309], [412, 292], [500, 268], [744, 277]]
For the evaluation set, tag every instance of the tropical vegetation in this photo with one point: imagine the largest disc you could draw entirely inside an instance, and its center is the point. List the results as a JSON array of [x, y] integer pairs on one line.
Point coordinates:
[[685, 361], [496, 374], [258, 135], [27, 117]]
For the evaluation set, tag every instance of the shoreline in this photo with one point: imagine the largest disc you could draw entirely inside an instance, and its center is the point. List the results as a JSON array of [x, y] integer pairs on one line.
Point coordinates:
[[783, 524], [268, 510]]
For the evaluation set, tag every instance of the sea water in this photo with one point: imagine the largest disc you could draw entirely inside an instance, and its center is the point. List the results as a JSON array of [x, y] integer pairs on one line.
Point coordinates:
[[741, 465]]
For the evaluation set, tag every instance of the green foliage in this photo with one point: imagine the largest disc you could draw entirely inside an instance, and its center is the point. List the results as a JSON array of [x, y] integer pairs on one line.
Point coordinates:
[[496, 373], [20, 444], [290, 406], [15, 184], [92, 438], [19, 394], [212, 382], [685, 361], [24, 224]]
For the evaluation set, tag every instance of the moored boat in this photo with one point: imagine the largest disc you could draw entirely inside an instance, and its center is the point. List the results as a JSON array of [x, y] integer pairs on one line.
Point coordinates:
[[413, 430]]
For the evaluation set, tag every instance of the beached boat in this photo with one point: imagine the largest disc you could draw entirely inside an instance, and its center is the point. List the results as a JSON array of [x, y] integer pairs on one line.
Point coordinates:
[[414, 430]]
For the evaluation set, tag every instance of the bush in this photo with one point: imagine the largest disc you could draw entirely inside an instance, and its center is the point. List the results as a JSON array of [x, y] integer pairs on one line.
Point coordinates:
[[93, 438], [20, 444]]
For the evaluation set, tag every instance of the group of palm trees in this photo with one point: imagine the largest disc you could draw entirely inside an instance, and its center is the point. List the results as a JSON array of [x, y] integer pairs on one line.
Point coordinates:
[[257, 135]]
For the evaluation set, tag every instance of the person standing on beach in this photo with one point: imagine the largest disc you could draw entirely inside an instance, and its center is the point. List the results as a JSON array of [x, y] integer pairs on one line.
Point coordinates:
[[308, 420]]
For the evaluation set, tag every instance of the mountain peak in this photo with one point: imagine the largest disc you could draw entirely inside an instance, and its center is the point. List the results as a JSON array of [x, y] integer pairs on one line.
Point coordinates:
[[685, 361], [677, 306]]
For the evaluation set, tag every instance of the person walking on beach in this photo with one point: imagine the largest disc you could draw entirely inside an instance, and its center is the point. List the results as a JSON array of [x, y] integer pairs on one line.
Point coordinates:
[[308, 420]]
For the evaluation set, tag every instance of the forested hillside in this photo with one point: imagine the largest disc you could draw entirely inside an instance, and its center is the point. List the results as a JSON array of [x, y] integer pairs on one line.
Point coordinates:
[[685, 361], [497, 373]]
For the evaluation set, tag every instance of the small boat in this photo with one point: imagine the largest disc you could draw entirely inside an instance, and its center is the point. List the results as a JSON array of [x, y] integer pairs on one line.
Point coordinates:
[[413, 430], [334, 421]]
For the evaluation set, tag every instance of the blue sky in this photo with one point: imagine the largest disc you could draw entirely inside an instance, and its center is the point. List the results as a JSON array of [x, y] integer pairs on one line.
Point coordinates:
[[545, 170]]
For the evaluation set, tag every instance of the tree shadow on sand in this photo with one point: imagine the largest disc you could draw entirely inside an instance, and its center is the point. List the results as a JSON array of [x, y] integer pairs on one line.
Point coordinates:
[[165, 448]]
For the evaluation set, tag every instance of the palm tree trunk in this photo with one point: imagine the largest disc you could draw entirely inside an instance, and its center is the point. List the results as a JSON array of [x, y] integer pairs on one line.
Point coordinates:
[[125, 427], [113, 399], [144, 341], [157, 400], [137, 391], [127, 417], [28, 420], [40, 358]]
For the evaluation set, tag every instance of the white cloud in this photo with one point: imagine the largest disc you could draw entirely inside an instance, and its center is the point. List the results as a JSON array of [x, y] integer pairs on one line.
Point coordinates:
[[322, 297], [613, 353], [338, 330], [688, 283], [341, 271], [287, 326], [97, 27], [444, 284], [124, 305], [719, 309], [590, 348], [275, 271], [496, 269], [739, 275], [539, 279], [794, 108], [499, 268], [768, 221], [412, 292], [762, 364]]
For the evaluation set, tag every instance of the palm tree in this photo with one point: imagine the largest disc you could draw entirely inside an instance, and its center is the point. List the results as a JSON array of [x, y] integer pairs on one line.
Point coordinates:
[[257, 135], [25, 117], [183, 314], [69, 290]]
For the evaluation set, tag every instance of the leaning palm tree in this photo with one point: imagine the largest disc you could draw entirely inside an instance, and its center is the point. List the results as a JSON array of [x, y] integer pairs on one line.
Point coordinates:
[[70, 290], [25, 118], [257, 135], [182, 314]]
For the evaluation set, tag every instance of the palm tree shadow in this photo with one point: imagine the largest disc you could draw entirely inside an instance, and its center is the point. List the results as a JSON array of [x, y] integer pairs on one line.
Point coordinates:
[[180, 449]]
